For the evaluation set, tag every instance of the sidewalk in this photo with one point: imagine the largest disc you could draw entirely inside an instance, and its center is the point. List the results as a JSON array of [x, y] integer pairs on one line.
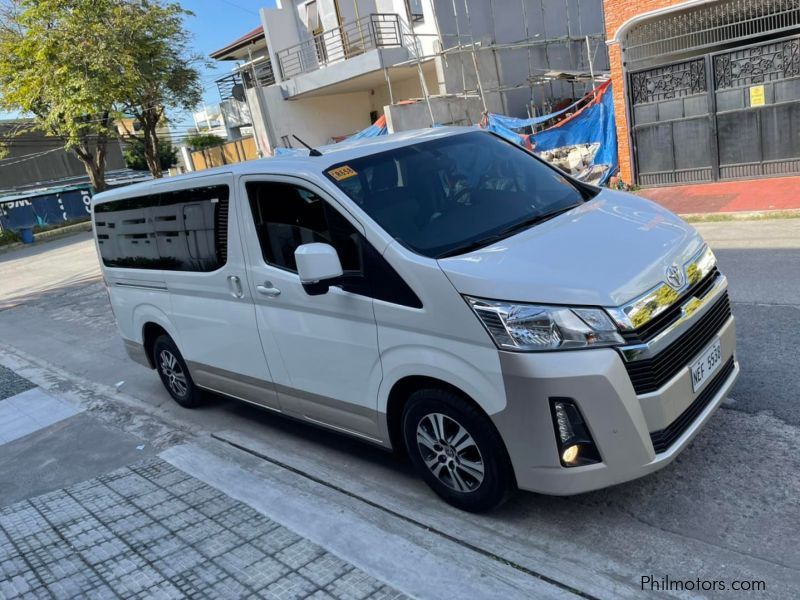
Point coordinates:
[[779, 193], [145, 530], [92, 506]]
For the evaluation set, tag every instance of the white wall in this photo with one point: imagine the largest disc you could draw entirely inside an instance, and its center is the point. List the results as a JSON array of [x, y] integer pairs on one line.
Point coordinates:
[[316, 120], [280, 31], [446, 111], [405, 89], [504, 22]]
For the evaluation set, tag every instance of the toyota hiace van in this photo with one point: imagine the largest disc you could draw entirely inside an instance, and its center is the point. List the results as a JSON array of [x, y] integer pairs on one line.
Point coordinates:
[[442, 292]]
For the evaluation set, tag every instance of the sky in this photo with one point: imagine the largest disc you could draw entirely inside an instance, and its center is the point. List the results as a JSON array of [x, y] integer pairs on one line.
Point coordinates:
[[214, 25]]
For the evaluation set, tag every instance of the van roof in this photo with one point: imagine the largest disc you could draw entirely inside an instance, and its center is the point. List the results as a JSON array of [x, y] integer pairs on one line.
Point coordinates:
[[292, 163]]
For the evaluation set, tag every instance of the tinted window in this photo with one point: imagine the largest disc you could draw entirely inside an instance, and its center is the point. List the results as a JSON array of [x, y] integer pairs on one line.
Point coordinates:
[[287, 216], [183, 230], [441, 196]]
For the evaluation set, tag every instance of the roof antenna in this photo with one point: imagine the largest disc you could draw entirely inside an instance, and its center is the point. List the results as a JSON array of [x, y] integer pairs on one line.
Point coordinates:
[[311, 151]]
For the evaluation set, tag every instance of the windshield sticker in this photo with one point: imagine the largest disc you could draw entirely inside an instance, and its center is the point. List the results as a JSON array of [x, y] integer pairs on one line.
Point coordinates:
[[340, 173]]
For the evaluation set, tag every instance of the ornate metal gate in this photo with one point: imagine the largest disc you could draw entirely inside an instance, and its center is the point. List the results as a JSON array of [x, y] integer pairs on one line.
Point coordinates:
[[733, 114], [672, 123], [758, 109]]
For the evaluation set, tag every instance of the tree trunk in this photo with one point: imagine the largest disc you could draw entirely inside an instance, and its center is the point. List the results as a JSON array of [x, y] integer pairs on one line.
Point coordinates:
[[149, 120], [94, 163]]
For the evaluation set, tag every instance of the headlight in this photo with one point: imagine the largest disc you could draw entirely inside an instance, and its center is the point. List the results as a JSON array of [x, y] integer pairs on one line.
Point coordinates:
[[531, 327]]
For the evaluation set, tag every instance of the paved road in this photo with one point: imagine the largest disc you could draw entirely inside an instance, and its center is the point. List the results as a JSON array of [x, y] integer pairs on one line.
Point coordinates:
[[729, 508]]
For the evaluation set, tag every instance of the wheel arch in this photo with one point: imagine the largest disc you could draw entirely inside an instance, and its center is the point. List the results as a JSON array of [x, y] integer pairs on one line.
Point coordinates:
[[150, 333], [402, 390]]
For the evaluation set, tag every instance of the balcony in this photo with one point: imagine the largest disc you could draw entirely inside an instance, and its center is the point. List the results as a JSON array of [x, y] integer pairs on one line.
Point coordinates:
[[374, 31], [258, 72]]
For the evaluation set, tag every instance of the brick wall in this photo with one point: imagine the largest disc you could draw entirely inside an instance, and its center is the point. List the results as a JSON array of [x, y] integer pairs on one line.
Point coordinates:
[[618, 12]]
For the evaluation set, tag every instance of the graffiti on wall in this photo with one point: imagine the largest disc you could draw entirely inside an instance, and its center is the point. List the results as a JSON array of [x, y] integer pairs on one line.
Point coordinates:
[[45, 209]]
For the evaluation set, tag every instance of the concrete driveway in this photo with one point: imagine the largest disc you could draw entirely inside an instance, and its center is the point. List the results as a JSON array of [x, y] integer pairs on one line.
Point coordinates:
[[727, 510]]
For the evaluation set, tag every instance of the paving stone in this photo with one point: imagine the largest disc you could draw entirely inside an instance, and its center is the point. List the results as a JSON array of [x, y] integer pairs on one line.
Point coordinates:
[[387, 593], [219, 543], [291, 586], [325, 569], [276, 540], [150, 531], [353, 585], [263, 573], [12, 384], [299, 554]]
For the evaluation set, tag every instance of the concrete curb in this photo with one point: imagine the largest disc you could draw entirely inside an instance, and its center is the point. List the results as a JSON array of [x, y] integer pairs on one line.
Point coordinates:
[[51, 234], [751, 215]]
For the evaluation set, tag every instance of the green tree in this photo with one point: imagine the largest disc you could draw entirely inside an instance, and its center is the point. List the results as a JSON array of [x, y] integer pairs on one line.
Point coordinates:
[[135, 155], [57, 64], [80, 66], [201, 141], [160, 68]]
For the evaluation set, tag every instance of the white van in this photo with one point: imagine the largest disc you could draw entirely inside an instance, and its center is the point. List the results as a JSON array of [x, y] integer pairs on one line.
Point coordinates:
[[443, 292]]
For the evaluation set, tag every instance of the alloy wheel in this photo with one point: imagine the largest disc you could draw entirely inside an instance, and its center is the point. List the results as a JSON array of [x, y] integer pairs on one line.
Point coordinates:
[[172, 371], [450, 452]]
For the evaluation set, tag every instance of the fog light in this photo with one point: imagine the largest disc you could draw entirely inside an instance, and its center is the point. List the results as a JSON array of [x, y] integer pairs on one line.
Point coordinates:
[[575, 444], [570, 455]]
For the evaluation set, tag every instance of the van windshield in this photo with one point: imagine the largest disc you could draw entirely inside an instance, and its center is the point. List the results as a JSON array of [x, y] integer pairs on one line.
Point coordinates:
[[452, 195]]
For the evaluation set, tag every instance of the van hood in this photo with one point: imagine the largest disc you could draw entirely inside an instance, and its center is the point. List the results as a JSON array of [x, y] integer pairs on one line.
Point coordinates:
[[605, 252]]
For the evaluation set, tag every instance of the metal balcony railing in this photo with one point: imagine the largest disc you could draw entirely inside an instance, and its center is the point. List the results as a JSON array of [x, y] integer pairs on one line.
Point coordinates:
[[378, 30], [258, 73], [225, 85]]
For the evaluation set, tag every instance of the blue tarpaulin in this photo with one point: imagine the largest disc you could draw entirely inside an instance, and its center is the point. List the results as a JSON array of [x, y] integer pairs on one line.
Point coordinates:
[[378, 128], [593, 125]]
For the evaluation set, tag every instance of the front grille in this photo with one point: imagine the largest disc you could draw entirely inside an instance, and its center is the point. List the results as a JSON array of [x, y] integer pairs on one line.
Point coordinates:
[[664, 438], [649, 374], [652, 328]]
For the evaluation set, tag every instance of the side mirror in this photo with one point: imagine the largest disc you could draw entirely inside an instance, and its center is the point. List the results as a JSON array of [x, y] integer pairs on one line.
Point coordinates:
[[317, 264]]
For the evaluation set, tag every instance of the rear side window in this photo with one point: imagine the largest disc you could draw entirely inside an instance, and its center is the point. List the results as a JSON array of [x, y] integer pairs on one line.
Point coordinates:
[[184, 230]]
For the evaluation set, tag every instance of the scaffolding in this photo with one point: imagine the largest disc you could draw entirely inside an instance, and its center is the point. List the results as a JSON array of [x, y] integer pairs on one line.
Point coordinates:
[[475, 54]]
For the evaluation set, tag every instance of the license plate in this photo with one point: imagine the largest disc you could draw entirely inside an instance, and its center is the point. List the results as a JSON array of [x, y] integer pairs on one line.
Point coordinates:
[[705, 366]]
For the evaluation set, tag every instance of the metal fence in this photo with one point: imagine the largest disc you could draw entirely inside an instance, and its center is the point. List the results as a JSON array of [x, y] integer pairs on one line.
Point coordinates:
[[376, 30], [706, 26]]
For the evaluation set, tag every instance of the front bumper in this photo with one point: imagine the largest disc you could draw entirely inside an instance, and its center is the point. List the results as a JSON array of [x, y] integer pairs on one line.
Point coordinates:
[[620, 422]]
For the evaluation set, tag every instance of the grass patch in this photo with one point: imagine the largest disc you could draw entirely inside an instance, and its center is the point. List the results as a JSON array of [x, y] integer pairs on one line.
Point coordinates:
[[7, 236], [59, 225]]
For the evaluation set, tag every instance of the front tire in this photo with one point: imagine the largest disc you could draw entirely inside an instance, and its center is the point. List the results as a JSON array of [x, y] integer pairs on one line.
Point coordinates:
[[173, 372], [456, 450]]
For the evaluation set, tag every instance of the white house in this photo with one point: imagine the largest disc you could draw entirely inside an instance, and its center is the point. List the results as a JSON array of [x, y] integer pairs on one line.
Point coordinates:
[[325, 69]]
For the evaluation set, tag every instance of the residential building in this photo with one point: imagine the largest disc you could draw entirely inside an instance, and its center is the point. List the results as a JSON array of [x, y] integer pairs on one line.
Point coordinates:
[[324, 69], [705, 90]]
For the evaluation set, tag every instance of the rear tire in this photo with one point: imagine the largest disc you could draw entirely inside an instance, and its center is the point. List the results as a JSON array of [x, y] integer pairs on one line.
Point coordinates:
[[457, 451], [173, 372]]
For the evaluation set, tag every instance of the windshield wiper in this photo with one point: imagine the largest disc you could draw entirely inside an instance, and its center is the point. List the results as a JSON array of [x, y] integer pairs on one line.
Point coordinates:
[[531, 221], [471, 246], [504, 233]]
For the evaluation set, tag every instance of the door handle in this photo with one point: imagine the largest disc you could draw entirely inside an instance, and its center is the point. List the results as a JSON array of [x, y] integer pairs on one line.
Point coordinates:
[[268, 290], [235, 285]]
